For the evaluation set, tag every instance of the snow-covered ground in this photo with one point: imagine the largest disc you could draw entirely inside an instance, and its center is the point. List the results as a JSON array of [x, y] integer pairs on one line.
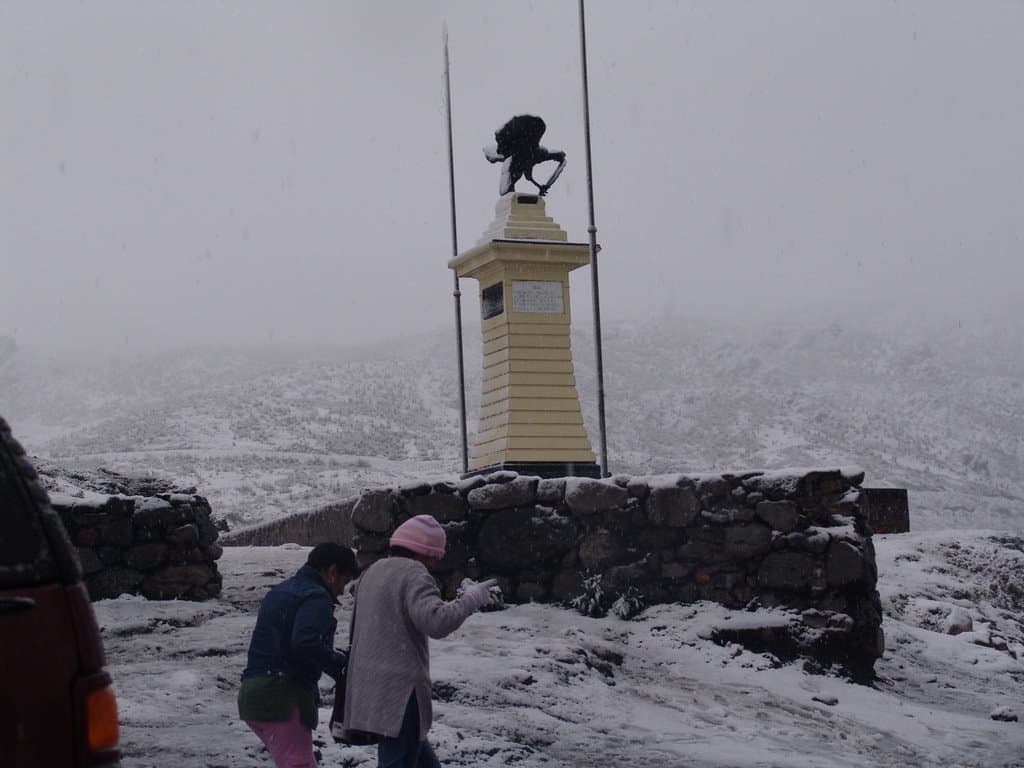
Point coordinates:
[[543, 686]]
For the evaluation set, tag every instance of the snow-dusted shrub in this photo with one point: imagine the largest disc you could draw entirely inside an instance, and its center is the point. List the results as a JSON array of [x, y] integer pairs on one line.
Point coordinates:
[[628, 604], [592, 601]]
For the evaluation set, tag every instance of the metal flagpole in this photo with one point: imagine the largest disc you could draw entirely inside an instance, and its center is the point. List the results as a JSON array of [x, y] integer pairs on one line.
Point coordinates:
[[592, 229], [457, 293]]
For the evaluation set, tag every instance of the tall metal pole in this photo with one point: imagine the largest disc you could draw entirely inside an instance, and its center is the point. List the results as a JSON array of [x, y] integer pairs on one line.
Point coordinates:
[[592, 229], [457, 293]]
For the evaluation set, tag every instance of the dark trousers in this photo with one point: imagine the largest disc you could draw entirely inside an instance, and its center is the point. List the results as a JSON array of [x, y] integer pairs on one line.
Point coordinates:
[[408, 750]]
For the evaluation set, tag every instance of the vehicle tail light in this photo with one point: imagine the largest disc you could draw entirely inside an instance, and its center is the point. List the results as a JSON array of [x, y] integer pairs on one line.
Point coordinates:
[[101, 719], [96, 720]]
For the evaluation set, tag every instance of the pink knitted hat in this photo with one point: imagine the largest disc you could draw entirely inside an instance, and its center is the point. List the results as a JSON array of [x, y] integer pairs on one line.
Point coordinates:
[[421, 534]]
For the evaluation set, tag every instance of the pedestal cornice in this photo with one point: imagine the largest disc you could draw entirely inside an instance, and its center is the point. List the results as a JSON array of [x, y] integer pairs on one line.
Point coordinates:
[[572, 255]]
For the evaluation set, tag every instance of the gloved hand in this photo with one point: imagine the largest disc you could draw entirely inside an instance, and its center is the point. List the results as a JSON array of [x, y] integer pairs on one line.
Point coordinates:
[[478, 595]]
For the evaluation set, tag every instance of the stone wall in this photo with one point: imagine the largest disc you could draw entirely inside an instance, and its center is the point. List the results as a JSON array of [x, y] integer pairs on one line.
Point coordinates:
[[795, 539], [163, 547], [330, 523]]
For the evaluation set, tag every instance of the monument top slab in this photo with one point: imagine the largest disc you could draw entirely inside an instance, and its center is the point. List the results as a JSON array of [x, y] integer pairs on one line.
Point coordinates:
[[522, 217]]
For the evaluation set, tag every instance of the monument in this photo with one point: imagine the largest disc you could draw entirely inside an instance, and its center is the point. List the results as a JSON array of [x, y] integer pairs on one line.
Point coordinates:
[[530, 419]]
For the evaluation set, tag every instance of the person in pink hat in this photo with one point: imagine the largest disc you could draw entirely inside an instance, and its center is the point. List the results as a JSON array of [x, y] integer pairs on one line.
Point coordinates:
[[399, 606]]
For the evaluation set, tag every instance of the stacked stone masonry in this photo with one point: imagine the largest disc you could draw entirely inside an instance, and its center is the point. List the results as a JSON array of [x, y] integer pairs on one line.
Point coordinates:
[[792, 539], [162, 547]]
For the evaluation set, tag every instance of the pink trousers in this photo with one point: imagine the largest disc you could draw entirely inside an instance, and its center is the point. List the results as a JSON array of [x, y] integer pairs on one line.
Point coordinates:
[[289, 742]]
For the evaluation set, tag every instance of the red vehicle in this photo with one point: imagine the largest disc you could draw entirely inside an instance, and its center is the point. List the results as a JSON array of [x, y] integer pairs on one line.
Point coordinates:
[[57, 708]]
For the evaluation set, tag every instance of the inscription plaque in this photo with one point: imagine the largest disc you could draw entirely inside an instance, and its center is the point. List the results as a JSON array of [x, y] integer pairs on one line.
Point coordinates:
[[537, 296]]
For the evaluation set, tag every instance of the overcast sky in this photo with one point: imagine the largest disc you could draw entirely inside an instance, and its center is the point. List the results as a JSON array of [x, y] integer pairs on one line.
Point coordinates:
[[251, 171]]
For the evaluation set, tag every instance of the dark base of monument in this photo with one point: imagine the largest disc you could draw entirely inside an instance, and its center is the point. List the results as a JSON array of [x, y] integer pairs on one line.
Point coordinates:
[[542, 469]]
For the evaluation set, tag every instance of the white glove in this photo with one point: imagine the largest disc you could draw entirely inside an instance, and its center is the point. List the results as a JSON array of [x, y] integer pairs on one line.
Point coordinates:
[[479, 595]]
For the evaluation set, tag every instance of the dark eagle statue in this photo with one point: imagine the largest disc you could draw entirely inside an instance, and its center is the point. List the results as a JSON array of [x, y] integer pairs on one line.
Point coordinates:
[[519, 149]]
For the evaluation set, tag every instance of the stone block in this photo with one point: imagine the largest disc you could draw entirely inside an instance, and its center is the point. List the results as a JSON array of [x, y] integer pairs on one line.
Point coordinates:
[[109, 555], [208, 532], [179, 581], [651, 538], [813, 540], [415, 489], [780, 515], [619, 519], [154, 512], [369, 542], [145, 557], [675, 507], [468, 484], [712, 488], [601, 549], [702, 548], [515, 492], [586, 495], [375, 511], [566, 585], [117, 531], [844, 564], [870, 565], [191, 554], [748, 541], [721, 518], [86, 537], [786, 570], [90, 561], [743, 515], [551, 491], [79, 517], [774, 486], [458, 548], [819, 484], [515, 539], [638, 488], [635, 574], [675, 571], [443, 507], [113, 582], [185, 536]]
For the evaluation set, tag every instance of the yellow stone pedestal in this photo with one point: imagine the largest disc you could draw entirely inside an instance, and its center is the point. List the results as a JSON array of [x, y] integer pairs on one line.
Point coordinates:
[[530, 418]]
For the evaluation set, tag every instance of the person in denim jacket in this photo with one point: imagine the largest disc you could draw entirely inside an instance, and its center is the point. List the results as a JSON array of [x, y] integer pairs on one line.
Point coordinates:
[[291, 647]]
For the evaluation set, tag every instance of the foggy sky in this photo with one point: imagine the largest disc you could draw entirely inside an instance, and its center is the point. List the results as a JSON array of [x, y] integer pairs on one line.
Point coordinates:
[[252, 171]]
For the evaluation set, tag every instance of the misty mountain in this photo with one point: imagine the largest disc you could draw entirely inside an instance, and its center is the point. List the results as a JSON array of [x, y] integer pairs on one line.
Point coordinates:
[[264, 431]]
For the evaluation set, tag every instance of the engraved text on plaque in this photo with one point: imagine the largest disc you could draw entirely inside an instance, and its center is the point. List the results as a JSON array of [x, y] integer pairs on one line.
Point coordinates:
[[537, 296]]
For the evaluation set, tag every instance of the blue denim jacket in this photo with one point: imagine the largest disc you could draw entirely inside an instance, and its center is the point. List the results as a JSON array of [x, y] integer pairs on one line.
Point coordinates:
[[294, 634]]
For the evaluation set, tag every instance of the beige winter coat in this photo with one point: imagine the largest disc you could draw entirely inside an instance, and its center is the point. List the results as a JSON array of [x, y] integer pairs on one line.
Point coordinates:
[[398, 606]]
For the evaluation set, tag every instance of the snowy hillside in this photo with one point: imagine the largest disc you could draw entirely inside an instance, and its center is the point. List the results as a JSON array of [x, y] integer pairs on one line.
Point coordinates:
[[539, 685], [263, 431]]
